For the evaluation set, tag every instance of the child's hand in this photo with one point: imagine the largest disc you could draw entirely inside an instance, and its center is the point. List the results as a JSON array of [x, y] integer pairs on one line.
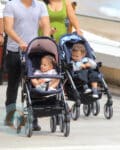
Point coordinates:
[[88, 65], [41, 81], [83, 66]]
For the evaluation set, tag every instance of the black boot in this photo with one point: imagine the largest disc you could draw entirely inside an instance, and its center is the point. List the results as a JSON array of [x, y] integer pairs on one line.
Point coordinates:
[[36, 127]]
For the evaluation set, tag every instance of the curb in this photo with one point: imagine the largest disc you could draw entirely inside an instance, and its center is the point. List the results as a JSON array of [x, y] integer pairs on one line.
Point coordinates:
[[114, 89]]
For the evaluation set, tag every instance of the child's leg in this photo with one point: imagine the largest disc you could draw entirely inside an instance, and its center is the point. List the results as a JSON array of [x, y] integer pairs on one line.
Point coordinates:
[[95, 89], [94, 85], [93, 79], [54, 83]]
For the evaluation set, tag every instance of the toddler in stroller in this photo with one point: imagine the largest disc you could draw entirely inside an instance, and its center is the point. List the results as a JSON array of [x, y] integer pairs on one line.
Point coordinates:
[[72, 75], [47, 66], [86, 67], [38, 100]]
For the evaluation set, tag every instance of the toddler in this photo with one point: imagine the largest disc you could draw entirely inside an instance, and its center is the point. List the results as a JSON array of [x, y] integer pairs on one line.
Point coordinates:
[[87, 66], [47, 66]]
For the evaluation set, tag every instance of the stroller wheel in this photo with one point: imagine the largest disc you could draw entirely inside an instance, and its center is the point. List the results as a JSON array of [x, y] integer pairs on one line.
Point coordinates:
[[86, 109], [28, 127], [17, 121], [66, 129], [53, 123], [108, 111], [61, 122], [28, 124], [95, 108], [75, 112]]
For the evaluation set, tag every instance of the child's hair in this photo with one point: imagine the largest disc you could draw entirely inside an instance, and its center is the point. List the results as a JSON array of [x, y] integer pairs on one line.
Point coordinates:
[[51, 59], [79, 47]]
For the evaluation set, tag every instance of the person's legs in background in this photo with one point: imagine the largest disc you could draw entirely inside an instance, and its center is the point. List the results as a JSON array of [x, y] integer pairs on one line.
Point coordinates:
[[14, 73]]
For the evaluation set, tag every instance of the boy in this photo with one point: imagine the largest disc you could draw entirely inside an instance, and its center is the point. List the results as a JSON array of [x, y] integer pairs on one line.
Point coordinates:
[[87, 66]]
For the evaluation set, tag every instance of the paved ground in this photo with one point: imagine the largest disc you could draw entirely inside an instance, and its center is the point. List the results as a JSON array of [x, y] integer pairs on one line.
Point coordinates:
[[87, 132]]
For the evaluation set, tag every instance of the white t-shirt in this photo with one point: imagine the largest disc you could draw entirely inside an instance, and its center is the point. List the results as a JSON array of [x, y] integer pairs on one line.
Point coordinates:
[[49, 72], [2, 6], [77, 64]]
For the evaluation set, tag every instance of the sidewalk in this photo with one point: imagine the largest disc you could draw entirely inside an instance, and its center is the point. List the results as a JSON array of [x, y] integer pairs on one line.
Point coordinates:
[[87, 133]]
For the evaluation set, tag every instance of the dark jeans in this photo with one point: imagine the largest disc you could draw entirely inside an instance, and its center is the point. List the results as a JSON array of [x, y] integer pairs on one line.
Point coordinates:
[[13, 64], [88, 76]]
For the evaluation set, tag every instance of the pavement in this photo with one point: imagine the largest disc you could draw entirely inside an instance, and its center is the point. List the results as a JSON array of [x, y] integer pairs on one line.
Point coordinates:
[[87, 133]]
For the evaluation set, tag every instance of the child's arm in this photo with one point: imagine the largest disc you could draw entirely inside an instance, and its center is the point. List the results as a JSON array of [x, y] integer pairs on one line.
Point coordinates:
[[77, 65], [36, 82], [90, 63]]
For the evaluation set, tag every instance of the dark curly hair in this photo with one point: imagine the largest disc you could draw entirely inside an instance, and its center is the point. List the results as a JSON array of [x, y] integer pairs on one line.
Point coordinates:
[[46, 1]]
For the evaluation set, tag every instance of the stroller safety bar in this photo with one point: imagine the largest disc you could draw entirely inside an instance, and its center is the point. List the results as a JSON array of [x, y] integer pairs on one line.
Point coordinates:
[[45, 76]]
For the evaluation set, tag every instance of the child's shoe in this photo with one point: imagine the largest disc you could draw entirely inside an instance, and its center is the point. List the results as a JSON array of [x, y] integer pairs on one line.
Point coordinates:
[[95, 93], [86, 89], [51, 89]]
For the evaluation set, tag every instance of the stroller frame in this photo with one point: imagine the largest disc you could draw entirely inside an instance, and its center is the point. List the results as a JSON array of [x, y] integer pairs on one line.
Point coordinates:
[[90, 105], [54, 104]]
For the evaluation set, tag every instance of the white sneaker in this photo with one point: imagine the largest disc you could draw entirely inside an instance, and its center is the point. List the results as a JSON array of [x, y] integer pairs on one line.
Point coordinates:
[[95, 96], [51, 89], [87, 91], [95, 93]]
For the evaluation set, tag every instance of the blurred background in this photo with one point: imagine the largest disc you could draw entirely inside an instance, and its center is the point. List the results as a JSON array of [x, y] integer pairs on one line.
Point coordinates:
[[100, 16], [109, 9]]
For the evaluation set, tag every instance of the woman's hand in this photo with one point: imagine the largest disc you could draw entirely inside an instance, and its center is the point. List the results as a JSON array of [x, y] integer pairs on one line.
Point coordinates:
[[79, 32], [53, 30]]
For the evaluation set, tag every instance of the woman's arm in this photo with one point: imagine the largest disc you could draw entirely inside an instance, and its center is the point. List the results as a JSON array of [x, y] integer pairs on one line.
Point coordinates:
[[72, 17]]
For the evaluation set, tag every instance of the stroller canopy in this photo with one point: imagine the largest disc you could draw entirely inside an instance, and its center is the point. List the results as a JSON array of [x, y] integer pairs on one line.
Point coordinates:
[[43, 44], [73, 38], [68, 40]]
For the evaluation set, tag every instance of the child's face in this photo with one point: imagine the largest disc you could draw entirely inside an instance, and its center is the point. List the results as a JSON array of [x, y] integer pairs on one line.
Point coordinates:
[[77, 55], [46, 65]]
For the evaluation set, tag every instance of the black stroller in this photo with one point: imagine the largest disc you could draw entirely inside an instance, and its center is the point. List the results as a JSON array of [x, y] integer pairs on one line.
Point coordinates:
[[42, 103], [72, 85]]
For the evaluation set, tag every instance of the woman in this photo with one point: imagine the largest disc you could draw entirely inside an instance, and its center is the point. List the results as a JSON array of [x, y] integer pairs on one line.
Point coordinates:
[[59, 11]]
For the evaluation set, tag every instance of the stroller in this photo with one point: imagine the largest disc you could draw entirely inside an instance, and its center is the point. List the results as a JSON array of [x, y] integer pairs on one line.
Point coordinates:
[[42, 103], [73, 86]]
